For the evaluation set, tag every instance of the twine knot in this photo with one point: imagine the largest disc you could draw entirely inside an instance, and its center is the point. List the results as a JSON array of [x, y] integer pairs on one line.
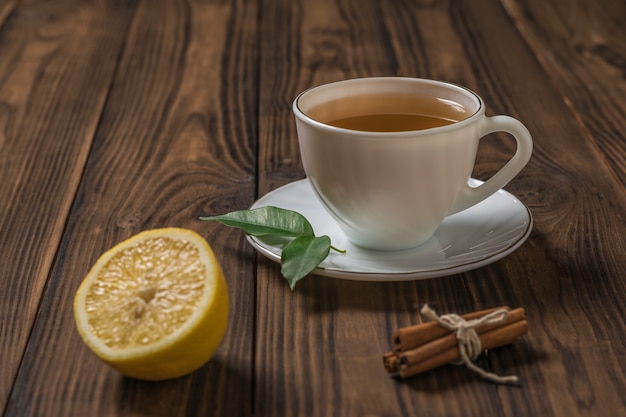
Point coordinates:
[[469, 344]]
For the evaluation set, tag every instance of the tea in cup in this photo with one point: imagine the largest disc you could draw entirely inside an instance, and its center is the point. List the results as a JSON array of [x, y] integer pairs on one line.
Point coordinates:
[[389, 158]]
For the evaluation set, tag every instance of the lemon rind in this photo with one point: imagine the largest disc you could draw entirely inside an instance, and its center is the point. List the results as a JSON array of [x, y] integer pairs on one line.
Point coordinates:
[[109, 354]]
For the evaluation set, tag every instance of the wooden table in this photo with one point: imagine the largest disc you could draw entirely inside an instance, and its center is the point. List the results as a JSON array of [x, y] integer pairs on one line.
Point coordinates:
[[120, 116]]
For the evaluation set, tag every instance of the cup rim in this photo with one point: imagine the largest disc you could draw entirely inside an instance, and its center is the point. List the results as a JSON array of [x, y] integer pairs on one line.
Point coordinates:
[[300, 114]]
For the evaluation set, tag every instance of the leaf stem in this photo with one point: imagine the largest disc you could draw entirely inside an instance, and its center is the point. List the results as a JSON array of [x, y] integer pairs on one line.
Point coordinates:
[[337, 250]]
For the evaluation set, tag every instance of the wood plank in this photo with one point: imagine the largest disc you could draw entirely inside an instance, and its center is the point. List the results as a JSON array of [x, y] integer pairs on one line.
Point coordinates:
[[318, 347], [176, 141], [581, 45], [6, 8], [565, 186], [51, 97], [320, 350]]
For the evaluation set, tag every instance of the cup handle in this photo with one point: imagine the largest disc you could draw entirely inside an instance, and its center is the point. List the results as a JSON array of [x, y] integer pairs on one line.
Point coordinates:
[[473, 195]]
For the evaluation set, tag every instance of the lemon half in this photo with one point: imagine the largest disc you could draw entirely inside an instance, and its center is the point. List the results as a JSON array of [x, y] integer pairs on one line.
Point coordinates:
[[155, 306]]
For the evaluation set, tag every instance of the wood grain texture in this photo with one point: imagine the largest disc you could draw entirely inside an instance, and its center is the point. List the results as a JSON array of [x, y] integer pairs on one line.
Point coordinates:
[[6, 8], [319, 349], [51, 96], [566, 184], [475, 45], [581, 46], [574, 297], [174, 142], [123, 115]]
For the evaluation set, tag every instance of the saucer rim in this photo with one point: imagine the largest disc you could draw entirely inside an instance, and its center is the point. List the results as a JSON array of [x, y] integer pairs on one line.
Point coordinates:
[[391, 276]]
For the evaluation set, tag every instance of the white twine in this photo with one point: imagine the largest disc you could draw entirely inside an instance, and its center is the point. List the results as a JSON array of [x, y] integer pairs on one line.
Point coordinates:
[[468, 340]]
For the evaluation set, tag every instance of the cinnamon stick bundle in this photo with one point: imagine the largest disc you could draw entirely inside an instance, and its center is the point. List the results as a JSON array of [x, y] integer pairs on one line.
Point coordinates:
[[429, 345]]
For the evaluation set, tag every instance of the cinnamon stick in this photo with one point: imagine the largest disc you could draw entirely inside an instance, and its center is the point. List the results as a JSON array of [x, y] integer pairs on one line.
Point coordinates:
[[391, 362], [496, 337], [437, 346], [419, 334]]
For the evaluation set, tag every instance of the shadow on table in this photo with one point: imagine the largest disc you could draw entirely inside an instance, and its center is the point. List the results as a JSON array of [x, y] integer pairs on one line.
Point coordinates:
[[324, 294], [519, 359], [214, 389]]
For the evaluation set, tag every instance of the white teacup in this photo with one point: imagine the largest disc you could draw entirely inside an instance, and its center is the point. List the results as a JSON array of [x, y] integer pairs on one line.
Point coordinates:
[[390, 190]]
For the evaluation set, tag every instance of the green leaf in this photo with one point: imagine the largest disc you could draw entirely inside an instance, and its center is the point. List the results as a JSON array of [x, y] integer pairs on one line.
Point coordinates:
[[301, 256], [266, 221]]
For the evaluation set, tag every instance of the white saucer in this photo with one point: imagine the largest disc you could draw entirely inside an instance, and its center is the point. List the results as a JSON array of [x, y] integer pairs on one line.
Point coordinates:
[[467, 240]]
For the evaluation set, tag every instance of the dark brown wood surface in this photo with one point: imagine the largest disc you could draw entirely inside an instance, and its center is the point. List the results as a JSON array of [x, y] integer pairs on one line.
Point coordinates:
[[120, 116]]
